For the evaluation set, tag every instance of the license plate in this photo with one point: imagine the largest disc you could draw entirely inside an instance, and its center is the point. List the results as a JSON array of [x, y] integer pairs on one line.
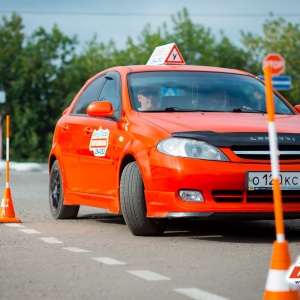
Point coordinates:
[[263, 181]]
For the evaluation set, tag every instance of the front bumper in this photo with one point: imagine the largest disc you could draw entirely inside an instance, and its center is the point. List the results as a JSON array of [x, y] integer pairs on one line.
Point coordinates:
[[223, 185]]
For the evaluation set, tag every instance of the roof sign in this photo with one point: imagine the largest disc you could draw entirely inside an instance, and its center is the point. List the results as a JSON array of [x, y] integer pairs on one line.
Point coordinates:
[[166, 54]]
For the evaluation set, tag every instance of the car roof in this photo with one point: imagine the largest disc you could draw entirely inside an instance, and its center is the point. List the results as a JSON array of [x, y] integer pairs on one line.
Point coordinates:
[[168, 58], [170, 67]]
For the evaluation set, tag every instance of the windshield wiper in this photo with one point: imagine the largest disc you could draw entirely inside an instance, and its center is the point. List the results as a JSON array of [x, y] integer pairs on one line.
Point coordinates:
[[173, 108], [247, 110]]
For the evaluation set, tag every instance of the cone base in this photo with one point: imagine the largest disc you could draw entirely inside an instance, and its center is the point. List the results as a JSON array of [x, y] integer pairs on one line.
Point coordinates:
[[290, 295], [7, 211], [9, 220], [277, 287]]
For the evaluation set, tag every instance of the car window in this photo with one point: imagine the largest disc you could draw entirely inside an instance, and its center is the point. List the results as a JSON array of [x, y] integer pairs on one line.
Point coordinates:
[[89, 95], [103, 88], [111, 90], [202, 91]]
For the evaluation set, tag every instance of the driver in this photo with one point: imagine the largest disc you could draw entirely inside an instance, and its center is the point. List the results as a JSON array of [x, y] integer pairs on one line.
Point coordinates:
[[148, 97]]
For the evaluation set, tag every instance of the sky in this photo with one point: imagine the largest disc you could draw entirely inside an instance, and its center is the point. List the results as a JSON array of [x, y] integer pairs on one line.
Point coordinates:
[[119, 19]]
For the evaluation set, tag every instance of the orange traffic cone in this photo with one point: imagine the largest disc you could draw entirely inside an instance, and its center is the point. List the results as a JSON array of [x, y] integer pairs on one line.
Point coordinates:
[[7, 212], [277, 286]]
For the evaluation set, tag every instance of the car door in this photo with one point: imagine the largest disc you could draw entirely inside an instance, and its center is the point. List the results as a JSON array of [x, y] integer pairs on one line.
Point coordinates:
[[98, 144], [69, 141], [72, 132]]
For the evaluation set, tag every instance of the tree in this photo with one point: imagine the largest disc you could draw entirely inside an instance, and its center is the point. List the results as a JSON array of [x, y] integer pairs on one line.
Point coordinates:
[[95, 57], [281, 37], [34, 85], [42, 73], [196, 43], [11, 41]]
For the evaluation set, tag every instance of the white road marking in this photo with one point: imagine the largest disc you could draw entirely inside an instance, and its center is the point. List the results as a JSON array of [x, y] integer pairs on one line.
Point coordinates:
[[198, 294], [211, 236], [148, 275], [30, 231], [51, 240], [108, 261], [192, 293], [74, 249], [14, 225]]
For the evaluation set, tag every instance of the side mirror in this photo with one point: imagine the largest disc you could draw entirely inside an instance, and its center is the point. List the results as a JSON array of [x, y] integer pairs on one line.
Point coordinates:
[[100, 109], [297, 107]]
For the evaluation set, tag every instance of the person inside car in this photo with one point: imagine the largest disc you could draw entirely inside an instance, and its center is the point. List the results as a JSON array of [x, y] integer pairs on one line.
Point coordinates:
[[259, 101], [219, 100], [148, 98]]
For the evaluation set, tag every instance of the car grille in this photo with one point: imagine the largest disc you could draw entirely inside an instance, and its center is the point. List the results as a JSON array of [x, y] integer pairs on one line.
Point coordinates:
[[263, 153], [260, 196]]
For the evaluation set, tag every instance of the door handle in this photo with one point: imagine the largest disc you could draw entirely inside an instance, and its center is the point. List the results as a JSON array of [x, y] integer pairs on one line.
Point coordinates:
[[65, 127], [88, 130]]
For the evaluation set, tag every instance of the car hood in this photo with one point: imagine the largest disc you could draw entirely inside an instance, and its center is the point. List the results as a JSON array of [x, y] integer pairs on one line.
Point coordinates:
[[226, 129]]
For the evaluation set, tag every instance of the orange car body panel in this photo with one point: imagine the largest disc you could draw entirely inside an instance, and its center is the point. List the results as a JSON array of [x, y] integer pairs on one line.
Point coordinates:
[[95, 181]]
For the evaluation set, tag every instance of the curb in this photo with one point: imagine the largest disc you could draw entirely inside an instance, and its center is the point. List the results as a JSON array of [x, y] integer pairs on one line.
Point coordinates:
[[23, 167]]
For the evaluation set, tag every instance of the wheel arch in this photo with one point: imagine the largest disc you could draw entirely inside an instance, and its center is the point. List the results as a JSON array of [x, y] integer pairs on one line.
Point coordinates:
[[128, 158], [51, 160], [143, 162], [134, 205]]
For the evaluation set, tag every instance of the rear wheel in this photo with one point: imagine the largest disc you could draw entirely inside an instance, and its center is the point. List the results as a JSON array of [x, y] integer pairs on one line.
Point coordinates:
[[56, 196], [133, 204]]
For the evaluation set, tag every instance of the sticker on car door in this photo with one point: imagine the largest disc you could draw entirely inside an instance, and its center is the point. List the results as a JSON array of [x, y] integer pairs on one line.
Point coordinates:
[[99, 141]]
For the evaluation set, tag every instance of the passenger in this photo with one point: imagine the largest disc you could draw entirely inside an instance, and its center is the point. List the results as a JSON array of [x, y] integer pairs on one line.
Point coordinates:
[[219, 100], [259, 100], [258, 95], [149, 98]]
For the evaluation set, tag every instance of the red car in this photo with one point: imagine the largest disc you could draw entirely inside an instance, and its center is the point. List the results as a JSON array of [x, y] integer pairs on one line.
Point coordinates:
[[154, 142]]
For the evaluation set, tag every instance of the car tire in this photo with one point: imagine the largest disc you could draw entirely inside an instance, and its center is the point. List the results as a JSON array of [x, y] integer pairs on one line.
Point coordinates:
[[133, 204], [56, 196]]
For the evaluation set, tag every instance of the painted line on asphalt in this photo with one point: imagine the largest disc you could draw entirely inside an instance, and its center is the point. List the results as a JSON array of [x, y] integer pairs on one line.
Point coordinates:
[[198, 294], [192, 293], [74, 249], [14, 225], [148, 275], [30, 231], [51, 240], [211, 236], [108, 261]]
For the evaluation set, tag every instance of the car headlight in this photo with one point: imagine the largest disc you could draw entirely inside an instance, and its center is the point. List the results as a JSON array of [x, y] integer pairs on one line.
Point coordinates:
[[190, 148]]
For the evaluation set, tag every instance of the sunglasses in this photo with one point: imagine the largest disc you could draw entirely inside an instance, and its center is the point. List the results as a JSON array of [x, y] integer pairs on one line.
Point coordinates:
[[149, 93]]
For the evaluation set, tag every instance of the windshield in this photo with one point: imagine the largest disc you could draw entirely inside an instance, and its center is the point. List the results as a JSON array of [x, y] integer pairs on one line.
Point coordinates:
[[199, 91]]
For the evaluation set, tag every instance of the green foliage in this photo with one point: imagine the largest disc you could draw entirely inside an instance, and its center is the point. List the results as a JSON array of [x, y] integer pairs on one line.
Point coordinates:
[[11, 40], [279, 37], [33, 80], [42, 73], [196, 43], [94, 58]]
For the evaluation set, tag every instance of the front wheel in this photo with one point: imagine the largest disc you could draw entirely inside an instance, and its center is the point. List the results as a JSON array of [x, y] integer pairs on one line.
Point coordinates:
[[133, 204], [56, 196]]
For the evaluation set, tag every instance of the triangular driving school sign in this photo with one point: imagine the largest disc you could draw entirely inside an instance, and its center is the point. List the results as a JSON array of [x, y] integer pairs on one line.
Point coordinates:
[[174, 57], [166, 54]]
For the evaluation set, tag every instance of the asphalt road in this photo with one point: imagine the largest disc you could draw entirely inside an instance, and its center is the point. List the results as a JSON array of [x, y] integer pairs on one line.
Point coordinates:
[[96, 257]]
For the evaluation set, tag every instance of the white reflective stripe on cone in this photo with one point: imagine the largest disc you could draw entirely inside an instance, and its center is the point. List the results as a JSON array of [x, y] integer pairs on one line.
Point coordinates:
[[276, 282]]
